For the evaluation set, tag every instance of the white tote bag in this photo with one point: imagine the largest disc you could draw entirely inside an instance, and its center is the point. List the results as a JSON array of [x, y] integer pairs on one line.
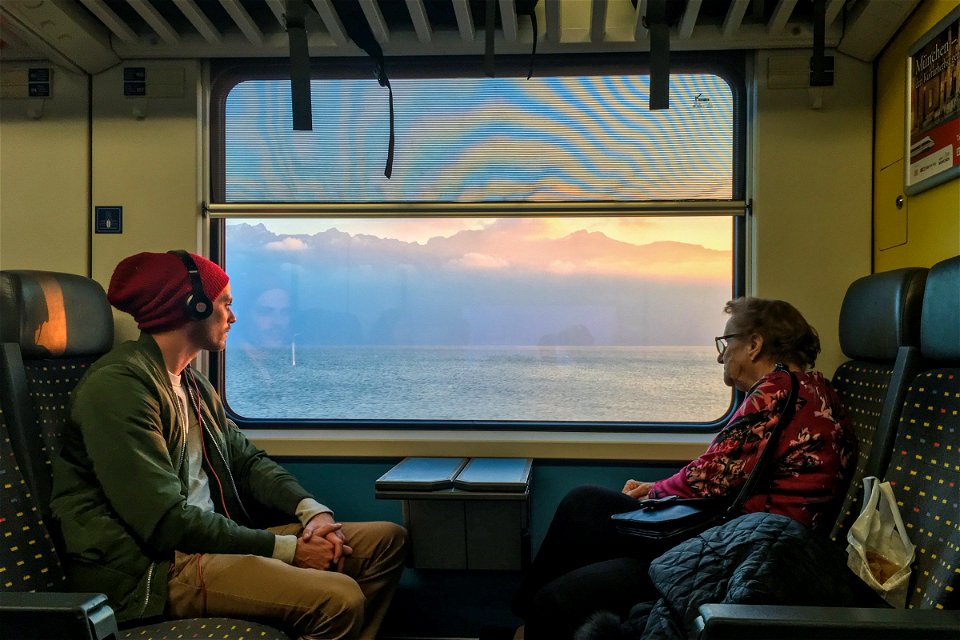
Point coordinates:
[[879, 550]]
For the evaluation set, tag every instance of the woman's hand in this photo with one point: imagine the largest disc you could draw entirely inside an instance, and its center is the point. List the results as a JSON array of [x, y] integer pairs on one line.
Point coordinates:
[[638, 490]]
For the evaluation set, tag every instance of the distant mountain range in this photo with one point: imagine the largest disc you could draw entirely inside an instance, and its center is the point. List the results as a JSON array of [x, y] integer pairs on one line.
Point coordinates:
[[504, 284]]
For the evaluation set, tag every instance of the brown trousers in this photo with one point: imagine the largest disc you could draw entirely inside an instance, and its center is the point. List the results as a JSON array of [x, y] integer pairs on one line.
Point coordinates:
[[312, 604]]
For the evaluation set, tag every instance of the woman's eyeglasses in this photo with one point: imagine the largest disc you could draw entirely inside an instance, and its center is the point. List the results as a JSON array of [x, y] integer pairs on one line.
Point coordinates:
[[721, 341]]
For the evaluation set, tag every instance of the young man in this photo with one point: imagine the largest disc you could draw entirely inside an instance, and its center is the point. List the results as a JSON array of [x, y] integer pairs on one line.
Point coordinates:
[[158, 493]]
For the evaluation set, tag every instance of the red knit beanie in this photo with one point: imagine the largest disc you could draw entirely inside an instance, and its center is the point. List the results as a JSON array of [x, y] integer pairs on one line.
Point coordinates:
[[154, 287]]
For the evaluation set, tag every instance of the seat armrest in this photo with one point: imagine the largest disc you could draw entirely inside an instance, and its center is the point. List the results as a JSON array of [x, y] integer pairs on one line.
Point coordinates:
[[756, 622], [43, 615]]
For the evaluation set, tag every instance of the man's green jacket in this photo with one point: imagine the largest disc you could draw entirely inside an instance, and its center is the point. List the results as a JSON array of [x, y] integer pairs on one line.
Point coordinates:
[[120, 482]]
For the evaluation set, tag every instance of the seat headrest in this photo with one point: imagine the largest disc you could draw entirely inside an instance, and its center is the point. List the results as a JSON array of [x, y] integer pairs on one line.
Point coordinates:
[[940, 319], [881, 313], [53, 315]]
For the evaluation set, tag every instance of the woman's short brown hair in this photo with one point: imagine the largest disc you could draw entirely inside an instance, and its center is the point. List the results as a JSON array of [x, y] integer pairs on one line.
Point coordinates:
[[787, 337]]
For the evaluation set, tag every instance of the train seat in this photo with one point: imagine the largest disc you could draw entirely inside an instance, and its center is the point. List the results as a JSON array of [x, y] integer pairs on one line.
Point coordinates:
[[880, 334], [924, 469], [925, 462], [55, 325]]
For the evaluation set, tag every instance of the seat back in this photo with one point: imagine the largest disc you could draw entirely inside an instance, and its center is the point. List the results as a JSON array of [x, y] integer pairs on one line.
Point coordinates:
[[28, 560], [925, 463], [880, 333], [55, 326]]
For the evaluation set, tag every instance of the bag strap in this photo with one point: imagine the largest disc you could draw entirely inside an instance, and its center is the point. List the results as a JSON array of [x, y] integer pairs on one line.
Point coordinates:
[[891, 502], [786, 415]]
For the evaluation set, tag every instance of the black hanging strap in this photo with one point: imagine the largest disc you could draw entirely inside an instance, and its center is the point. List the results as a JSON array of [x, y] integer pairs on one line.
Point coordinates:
[[821, 65], [523, 7], [355, 24], [302, 110], [529, 7], [659, 54], [489, 33], [388, 168]]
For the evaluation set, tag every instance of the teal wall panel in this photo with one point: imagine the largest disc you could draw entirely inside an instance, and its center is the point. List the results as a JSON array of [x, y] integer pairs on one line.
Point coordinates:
[[448, 603]]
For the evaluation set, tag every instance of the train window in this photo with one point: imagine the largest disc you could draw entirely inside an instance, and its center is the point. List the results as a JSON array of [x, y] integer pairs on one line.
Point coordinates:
[[548, 252]]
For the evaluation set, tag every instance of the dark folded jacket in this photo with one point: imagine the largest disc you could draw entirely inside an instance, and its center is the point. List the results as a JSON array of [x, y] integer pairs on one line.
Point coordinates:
[[760, 558]]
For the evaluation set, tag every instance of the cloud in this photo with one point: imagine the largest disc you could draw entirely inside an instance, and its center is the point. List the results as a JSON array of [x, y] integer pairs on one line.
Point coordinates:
[[287, 244], [498, 284], [562, 267], [554, 247], [479, 261]]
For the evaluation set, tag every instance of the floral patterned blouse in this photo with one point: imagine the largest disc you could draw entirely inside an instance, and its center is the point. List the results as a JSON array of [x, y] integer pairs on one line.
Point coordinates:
[[814, 457]]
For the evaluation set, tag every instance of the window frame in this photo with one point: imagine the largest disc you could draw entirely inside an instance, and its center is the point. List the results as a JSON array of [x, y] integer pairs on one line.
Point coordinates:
[[226, 74]]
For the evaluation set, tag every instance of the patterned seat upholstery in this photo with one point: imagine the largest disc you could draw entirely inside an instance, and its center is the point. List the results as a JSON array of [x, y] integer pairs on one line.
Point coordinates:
[[880, 333], [28, 561], [925, 463], [202, 628], [925, 474], [55, 326]]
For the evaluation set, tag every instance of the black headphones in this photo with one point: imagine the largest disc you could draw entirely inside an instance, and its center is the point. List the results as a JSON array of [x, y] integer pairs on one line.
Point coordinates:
[[198, 304]]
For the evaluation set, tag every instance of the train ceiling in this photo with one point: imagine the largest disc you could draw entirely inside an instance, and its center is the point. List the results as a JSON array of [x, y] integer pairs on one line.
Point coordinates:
[[92, 35]]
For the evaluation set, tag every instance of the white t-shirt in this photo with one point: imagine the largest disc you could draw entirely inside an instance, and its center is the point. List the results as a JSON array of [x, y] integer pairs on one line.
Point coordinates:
[[198, 490]]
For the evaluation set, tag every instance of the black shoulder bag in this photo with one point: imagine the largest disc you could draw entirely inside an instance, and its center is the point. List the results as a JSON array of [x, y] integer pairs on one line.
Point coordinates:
[[674, 518]]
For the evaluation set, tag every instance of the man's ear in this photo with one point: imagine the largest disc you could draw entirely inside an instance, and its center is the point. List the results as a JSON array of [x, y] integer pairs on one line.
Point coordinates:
[[755, 347]]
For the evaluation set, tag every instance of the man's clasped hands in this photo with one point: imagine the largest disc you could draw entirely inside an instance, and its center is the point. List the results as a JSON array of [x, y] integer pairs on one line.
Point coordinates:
[[322, 545]]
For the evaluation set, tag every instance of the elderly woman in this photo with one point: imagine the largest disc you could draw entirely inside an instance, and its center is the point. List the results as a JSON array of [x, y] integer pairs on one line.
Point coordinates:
[[584, 565]]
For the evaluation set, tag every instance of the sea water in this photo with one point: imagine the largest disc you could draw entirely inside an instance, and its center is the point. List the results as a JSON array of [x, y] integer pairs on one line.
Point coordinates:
[[497, 383]]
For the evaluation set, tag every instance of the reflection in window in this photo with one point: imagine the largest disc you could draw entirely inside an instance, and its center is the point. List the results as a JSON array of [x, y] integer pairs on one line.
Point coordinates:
[[483, 319]]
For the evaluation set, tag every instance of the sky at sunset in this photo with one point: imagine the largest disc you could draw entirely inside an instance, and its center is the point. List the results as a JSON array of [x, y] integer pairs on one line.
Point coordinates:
[[496, 281], [709, 232]]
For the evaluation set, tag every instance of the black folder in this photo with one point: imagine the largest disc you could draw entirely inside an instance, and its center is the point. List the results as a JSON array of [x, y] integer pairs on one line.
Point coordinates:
[[495, 474], [421, 474]]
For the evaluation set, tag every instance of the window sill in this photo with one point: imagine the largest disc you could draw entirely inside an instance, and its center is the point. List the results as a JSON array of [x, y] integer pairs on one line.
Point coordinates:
[[651, 447]]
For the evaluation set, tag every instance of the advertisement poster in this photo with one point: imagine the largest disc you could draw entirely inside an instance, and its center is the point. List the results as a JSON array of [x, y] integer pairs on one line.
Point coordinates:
[[933, 106]]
